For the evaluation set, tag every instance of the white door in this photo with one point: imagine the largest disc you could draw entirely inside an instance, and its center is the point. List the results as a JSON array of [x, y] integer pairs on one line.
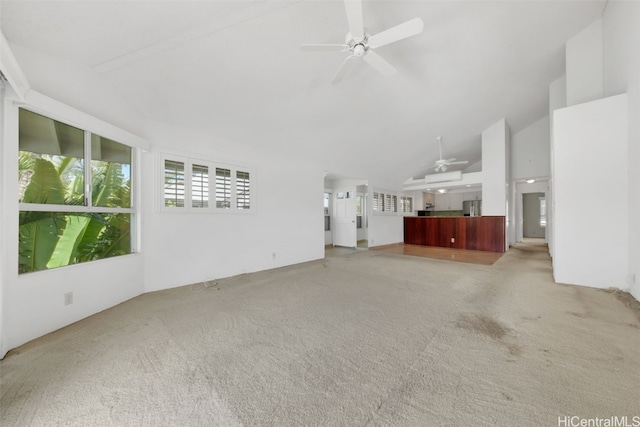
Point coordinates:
[[344, 217]]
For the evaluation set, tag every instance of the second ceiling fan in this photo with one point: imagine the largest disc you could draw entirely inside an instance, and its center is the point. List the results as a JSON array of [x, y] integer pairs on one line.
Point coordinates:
[[361, 45]]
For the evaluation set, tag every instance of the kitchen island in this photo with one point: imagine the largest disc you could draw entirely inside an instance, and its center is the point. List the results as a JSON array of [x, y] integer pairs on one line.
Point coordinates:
[[481, 233]]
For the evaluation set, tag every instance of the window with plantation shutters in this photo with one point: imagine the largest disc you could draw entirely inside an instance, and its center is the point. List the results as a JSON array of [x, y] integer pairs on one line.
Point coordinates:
[[174, 183], [199, 186], [377, 202], [243, 190], [223, 188], [387, 203], [406, 204]]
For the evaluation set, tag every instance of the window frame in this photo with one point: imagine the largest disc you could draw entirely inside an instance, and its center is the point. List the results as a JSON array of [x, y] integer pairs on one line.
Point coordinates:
[[385, 203], [189, 162], [89, 125]]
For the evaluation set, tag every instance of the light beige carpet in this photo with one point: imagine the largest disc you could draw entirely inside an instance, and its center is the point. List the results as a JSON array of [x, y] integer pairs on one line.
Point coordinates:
[[367, 338]]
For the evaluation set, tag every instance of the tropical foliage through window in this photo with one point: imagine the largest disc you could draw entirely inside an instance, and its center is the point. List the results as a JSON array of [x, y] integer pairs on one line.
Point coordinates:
[[62, 221]]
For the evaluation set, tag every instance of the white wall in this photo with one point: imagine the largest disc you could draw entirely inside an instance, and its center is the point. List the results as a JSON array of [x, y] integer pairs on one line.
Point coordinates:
[[33, 303], [183, 248], [591, 249], [385, 230], [497, 191], [621, 28], [584, 65], [494, 169], [557, 99], [530, 151]]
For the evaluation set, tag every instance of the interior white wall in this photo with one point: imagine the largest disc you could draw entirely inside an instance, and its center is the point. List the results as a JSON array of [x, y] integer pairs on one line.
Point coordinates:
[[494, 169], [590, 249], [621, 34], [557, 99], [497, 194], [530, 151], [184, 248], [584, 65], [384, 228], [34, 302], [3, 223]]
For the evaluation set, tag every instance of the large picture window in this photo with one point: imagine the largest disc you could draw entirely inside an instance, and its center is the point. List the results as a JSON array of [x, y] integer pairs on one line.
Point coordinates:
[[74, 190]]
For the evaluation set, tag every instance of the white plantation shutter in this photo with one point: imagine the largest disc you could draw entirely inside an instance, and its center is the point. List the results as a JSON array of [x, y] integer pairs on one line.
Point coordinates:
[[243, 190], [173, 183], [223, 188], [199, 186]]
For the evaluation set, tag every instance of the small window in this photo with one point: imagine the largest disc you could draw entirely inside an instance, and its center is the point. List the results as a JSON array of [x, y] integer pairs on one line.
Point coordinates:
[[243, 190], [376, 203], [543, 212], [223, 188], [190, 185], [173, 183], [406, 204], [199, 186], [327, 215]]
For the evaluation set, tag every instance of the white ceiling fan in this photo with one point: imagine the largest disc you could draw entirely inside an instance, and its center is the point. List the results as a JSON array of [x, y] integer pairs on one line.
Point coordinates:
[[362, 45], [443, 164]]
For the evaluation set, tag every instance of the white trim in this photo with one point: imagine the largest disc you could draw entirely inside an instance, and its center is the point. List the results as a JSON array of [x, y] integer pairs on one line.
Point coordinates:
[[37, 207], [42, 104], [12, 71]]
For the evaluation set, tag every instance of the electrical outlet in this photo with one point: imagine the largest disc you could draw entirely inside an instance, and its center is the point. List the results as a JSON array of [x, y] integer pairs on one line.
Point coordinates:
[[68, 298], [274, 256]]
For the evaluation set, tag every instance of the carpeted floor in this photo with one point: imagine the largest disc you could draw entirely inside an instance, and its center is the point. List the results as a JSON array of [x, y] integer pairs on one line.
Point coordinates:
[[367, 338]]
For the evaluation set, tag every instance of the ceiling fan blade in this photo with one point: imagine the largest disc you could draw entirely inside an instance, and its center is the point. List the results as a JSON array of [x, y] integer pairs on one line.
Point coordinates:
[[324, 47], [460, 162], [343, 69], [354, 16], [453, 159], [399, 32], [379, 63]]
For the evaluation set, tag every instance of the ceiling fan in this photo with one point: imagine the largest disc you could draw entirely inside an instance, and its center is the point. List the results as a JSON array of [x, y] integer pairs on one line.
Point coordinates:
[[443, 164], [362, 45]]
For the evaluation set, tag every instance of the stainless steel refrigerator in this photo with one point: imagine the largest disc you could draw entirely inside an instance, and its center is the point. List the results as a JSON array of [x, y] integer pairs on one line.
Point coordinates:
[[472, 207]]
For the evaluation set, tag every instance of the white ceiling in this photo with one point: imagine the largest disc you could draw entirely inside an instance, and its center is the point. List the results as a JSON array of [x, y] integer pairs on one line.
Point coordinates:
[[235, 68]]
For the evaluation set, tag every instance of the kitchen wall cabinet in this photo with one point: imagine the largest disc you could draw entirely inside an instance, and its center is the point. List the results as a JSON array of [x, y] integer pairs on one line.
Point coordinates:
[[449, 202], [472, 195]]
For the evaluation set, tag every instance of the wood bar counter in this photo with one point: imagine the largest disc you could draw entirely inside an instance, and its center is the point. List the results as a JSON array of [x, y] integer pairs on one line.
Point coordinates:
[[481, 233]]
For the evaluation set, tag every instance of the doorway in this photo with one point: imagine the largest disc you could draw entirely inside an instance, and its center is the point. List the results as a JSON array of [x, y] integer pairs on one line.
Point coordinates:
[[362, 220], [344, 215], [534, 219]]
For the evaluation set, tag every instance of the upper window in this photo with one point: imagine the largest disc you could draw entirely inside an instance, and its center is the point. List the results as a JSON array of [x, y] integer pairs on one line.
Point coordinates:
[[74, 190], [207, 187], [385, 203], [406, 204]]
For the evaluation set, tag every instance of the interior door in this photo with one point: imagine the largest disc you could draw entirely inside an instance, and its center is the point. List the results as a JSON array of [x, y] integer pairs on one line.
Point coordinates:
[[344, 217]]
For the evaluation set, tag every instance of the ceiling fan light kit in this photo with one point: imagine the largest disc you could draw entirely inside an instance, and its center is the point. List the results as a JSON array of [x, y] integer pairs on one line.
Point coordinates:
[[362, 45]]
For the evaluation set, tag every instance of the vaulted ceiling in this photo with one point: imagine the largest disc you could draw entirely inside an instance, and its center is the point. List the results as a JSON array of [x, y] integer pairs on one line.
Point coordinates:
[[234, 68]]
